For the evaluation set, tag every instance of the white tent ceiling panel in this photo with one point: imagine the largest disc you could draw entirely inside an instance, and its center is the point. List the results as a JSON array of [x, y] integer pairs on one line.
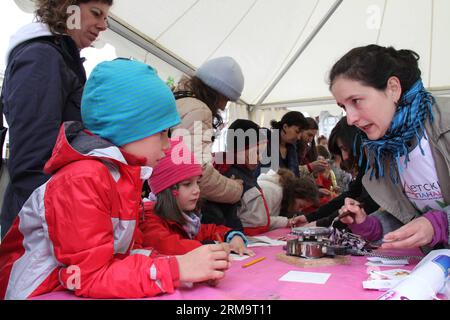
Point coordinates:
[[153, 17], [263, 35], [307, 78], [126, 49], [440, 66]]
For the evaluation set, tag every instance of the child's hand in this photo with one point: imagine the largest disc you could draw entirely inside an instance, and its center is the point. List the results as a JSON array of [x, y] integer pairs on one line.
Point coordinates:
[[319, 165], [204, 263], [356, 213], [324, 192], [237, 245], [297, 221]]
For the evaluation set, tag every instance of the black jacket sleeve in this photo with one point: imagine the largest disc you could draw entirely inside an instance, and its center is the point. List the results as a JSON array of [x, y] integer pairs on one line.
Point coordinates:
[[34, 97], [355, 191]]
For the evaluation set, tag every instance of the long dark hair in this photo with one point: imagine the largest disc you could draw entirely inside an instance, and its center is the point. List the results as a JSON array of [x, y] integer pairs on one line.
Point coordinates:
[[292, 118], [373, 65], [167, 207], [204, 93], [350, 137], [308, 153]]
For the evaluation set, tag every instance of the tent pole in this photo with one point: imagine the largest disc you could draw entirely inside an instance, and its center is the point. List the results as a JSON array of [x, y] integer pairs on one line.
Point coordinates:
[[324, 20], [121, 29], [115, 25]]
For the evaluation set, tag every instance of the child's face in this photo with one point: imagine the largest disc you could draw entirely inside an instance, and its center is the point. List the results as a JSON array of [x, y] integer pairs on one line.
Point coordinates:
[[300, 204], [369, 109], [188, 194], [345, 152], [308, 135], [152, 148]]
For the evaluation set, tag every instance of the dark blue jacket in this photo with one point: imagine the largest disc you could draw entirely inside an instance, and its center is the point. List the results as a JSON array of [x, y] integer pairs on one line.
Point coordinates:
[[43, 85], [291, 162]]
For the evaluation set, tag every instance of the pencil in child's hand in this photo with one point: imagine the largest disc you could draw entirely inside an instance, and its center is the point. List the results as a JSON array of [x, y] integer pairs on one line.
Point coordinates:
[[252, 262], [218, 237]]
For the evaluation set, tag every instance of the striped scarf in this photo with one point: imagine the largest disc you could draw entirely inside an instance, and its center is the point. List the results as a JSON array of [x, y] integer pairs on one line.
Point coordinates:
[[408, 123], [192, 224]]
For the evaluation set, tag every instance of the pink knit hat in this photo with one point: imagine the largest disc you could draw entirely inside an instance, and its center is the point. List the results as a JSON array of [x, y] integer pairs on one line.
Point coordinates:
[[178, 165]]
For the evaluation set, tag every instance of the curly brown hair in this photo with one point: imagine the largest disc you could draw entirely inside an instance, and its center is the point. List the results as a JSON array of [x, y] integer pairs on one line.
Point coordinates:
[[204, 93], [54, 12], [296, 188]]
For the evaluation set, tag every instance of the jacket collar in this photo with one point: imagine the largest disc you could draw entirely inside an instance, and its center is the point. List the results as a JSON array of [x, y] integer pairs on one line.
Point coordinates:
[[75, 143]]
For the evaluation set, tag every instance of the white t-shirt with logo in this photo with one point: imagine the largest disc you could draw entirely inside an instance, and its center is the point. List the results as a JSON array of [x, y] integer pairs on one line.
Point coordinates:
[[420, 181]]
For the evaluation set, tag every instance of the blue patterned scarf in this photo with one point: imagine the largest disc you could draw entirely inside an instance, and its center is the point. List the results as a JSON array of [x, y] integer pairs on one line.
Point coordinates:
[[414, 108]]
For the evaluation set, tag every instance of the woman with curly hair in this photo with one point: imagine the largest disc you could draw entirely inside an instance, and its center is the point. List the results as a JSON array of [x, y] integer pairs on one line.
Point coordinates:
[[42, 89]]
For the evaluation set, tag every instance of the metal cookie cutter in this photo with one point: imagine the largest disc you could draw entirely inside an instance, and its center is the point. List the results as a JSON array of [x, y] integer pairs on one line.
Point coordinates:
[[305, 249]]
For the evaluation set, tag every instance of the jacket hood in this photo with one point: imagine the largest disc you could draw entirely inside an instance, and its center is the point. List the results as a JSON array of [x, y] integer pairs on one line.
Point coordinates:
[[270, 176], [75, 143], [30, 31]]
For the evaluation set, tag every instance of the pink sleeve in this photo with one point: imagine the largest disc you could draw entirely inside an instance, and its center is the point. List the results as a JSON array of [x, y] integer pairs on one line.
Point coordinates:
[[370, 229], [439, 222]]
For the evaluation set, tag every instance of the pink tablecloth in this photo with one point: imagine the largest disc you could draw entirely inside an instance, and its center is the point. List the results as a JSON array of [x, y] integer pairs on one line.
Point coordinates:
[[261, 281]]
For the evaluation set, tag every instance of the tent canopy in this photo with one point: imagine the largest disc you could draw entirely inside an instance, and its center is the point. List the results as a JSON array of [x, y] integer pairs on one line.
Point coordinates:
[[266, 36], [285, 47]]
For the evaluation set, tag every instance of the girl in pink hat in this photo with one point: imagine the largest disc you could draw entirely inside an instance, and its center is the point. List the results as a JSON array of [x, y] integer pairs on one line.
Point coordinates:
[[172, 224]]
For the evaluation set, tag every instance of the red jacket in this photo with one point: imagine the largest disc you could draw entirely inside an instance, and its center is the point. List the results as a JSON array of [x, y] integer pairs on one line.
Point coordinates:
[[78, 230], [169, 237]]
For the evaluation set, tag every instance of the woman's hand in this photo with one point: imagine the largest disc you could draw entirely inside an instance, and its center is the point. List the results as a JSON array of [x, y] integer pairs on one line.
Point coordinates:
[[417, 233], [237, 245], [356, 213], [204, 263], [319, 166]]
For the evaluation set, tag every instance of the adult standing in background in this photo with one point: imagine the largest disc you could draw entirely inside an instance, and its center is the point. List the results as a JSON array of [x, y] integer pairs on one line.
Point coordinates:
[[199, 101], [288, 130], [307, 152], [42, 89]]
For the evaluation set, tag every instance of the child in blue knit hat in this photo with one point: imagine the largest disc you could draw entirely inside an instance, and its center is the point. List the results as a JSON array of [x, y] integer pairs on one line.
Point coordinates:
[[79, 231]]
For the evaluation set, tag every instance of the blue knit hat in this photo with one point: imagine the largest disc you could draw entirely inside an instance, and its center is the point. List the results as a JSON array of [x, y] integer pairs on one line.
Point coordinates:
[[223, 75], [125, 101]]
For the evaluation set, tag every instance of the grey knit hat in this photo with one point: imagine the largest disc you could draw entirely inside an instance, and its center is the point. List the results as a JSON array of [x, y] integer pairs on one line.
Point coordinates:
[[223, 75]]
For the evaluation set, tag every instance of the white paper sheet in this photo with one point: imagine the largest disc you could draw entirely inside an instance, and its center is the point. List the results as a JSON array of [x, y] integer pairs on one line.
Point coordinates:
[[236, 257], [306, 277], [263, 241]]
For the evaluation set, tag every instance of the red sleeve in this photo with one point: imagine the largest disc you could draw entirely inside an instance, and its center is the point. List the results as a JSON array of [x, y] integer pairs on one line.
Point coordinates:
[[210, 232], [162, 236], [78, 214]]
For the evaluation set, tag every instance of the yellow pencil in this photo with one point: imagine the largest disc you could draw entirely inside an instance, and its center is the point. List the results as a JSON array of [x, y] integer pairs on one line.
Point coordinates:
[[252, 262]]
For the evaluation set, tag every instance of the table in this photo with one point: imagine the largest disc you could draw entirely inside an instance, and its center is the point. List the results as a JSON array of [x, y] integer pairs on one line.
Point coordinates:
[[261, 280]]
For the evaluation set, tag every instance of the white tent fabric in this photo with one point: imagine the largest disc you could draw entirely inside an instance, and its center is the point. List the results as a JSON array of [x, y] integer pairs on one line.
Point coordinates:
[[265, 36]]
